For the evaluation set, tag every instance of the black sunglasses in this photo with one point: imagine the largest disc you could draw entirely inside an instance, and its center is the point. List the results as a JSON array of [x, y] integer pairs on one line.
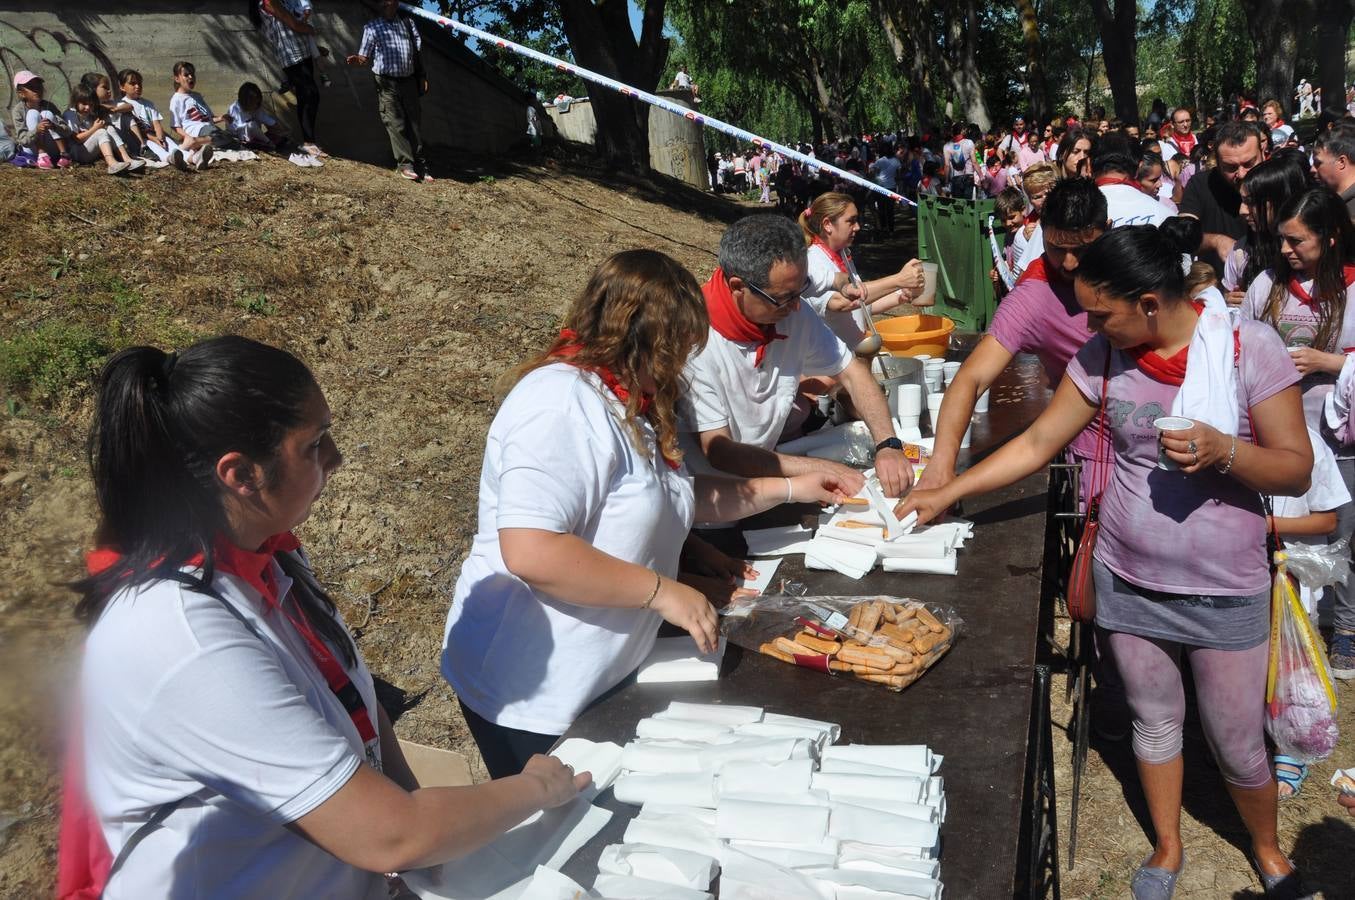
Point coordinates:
[[772, 300]]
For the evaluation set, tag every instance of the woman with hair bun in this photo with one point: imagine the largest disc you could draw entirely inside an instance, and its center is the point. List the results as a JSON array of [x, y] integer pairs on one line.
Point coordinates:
[[830, 226], [584, 507], [232, 742], [1180, 566]]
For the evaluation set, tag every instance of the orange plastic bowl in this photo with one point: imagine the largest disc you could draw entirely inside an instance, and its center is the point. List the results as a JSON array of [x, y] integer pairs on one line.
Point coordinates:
[[914, 335]]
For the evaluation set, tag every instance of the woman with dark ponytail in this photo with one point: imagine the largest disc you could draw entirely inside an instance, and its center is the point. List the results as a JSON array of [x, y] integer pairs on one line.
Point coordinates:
[[1265, 189], [1180, 565], [231, 741], [1308, 297]]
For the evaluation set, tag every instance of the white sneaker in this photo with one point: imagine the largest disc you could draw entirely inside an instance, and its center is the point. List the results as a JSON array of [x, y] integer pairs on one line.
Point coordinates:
[[136, 165], [117, 168], [246, 155], [204, 158], [300, 159], [155, 163]]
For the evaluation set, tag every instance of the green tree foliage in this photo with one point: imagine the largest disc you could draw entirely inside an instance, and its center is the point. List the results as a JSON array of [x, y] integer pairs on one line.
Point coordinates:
[[826, 58]]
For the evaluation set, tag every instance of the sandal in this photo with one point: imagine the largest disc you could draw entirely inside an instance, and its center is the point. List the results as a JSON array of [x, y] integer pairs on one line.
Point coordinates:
[[1289, 773]]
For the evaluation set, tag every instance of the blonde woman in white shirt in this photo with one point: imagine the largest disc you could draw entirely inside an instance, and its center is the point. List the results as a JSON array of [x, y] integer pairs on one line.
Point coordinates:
[[584, 507], [830, 225]]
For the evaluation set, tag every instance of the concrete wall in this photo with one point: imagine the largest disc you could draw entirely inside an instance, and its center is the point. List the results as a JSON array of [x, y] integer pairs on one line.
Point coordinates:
[[470, 107], [676, 146]]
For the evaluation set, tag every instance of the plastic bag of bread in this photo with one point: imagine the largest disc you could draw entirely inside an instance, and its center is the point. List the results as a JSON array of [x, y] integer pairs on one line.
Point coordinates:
[[889, 641]]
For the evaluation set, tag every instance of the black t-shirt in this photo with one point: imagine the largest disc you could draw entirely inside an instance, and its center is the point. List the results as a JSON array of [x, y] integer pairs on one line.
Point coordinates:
[[1210, 198]]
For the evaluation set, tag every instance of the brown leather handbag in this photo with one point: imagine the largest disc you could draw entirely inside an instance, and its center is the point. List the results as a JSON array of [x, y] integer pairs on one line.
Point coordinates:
[[1081, 586]]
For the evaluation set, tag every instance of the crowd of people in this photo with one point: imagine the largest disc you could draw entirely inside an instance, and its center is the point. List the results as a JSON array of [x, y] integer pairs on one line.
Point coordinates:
[[230, 737], [126, 131]]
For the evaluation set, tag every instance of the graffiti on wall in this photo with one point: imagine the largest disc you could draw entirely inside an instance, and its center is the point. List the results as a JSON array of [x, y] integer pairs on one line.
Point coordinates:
[[58, 58]]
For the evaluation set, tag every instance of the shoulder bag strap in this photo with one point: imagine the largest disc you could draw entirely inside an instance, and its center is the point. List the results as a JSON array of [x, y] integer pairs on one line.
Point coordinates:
[[1101, 465]]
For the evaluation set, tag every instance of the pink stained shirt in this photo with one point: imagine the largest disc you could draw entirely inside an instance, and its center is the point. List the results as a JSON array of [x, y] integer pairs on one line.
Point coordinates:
[[1026, 157], [1165, 530], [1042, 316], [1298, 326]]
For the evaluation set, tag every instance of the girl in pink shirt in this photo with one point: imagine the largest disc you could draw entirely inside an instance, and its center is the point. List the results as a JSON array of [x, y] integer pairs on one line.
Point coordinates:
[[1180, 566]]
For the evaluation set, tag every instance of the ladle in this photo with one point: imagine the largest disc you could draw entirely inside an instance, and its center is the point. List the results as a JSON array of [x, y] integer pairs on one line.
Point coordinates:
[[871, 343]]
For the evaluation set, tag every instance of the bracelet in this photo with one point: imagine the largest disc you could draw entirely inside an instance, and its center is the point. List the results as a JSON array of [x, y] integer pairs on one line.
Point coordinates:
[[658, 582], [1232, 455], [789, 498]]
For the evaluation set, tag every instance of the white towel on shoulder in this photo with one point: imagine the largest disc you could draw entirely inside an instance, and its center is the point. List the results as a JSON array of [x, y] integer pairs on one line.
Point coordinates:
[[1209, 392]]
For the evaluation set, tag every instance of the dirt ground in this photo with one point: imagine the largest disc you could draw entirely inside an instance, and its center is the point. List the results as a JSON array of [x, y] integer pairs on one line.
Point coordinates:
[[408, 301]]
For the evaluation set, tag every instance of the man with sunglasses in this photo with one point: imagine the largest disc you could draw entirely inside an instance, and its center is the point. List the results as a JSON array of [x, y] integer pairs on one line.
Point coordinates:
[[742, 386]]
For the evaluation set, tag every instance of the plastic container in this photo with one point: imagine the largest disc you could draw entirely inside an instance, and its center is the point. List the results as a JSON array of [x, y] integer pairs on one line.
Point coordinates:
[[914, 335]]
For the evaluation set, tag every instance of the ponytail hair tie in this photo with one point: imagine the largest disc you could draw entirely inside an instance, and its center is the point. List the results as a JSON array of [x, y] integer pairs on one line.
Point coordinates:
[[167, 366]]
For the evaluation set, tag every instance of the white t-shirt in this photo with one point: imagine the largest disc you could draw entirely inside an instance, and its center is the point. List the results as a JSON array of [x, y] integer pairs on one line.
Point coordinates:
[[559, 458], [181, 699], [144, 112], [248, 126], [849, 326], [682, 79], [1126, 205], [728, 390], [189, 112], [1326, 493]]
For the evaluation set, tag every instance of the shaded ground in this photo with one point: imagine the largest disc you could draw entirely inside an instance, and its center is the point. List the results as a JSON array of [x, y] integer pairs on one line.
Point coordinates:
[[408, 301]]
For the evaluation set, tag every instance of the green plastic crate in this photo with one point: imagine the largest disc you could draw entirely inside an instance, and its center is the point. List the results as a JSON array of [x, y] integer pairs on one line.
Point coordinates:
[[951, 234]]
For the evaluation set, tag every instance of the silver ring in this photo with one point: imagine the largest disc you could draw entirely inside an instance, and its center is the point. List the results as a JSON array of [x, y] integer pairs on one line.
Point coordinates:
[[1197, 457], [1193, 449]]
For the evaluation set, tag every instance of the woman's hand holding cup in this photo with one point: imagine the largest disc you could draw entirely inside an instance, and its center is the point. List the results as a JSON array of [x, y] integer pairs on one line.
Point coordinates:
[[1194, 448]]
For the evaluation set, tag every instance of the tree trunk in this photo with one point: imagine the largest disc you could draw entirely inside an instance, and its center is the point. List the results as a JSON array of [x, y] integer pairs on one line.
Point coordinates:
[[1274, 29], [910, 38], [962, 30], [1333, 24], [1119, 51], [601, 39], [1036, 90]]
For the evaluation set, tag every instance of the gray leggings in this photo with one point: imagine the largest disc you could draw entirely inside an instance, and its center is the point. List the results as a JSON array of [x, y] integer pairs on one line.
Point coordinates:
[[1229, 687]]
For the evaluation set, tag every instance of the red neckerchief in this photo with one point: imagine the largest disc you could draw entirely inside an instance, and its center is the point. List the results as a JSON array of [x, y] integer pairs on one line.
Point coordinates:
[[835, 256], [727, 319], [571, 347], [1036, 271], [1031, 217], [1184, 142], [1172, 370], [1347, 272], [255, 568], [1106, 180]]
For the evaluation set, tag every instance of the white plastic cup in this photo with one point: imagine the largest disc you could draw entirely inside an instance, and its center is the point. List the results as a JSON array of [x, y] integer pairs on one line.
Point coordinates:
[[906, 400], [934, 407], [950, 369], [981, 404], [928, 295], [922, 358], [1168, 423], [935, 381], [934, 363], [908, 421]]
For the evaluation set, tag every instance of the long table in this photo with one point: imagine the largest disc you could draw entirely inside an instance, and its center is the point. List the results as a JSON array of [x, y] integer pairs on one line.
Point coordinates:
[[974, 706]]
